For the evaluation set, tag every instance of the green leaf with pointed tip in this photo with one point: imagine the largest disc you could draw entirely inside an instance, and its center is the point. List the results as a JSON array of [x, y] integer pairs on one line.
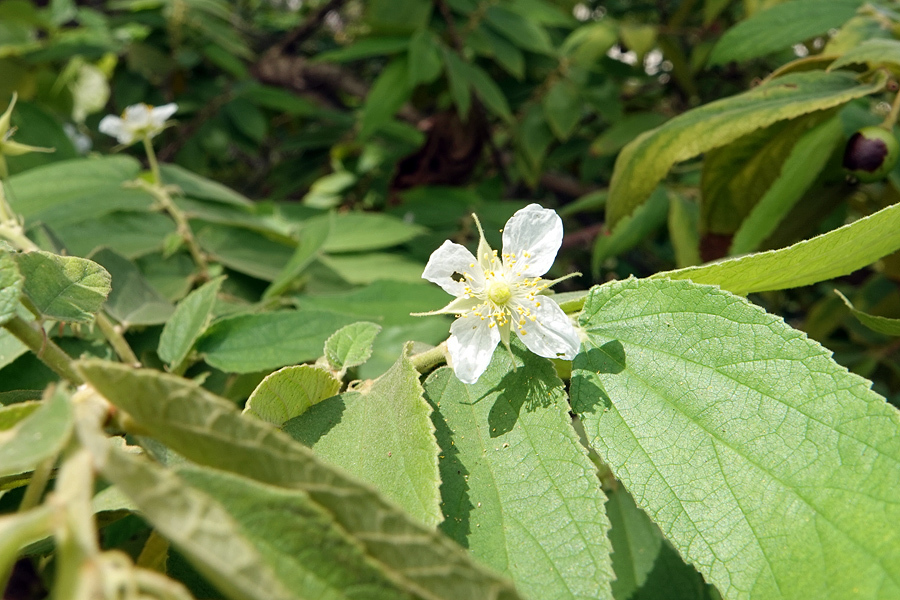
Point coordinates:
[[256, 342], [290, 392], [874, 322], [197, 186], [208, 430], [383, 435], [351, 346], [37, 437], [11, 283], [833, 254], [643, 163], [194, 522], [768, 465], [311, 555], [132, 300], [781, 26], [64, 288], [874, 52], [359, 231], [636, 543], [519, 489], [189, 321]]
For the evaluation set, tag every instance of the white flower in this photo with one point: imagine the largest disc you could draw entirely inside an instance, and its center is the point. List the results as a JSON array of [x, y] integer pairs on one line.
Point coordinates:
[[139, 121], [498, 294]]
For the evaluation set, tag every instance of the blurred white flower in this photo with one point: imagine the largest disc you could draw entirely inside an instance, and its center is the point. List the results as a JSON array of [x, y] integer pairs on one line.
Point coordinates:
[[90, 92], [498, 294], [139, 121]]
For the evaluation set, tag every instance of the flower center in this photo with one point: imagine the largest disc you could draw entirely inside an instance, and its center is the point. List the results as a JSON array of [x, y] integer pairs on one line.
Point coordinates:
[[498, 292]]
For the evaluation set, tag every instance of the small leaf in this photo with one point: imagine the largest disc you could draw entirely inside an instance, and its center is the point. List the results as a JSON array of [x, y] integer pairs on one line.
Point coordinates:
[[290, 392], [562, 107], [765, 463], [359, 231], [781, 26], [257, 342], [11, 283], [189, 321], [636, 543], [64, 288], [489, 92], [351, 346], [874, 322], [804, 163], [645, 161], [424, 58], [874, 52], [518, 487], [833, 254], [245, 251], [39, 436], [384, 436], [364, 48], [132, 300], [389, 92], [208, 430]]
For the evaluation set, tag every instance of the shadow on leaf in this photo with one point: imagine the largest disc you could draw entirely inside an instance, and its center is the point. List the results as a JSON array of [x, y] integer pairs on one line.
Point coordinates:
[[587, 389]]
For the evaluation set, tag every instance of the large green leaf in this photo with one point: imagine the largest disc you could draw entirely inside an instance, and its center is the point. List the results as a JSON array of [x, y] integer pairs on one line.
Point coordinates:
[[383, 435], [358, 231], [875, 52], [519, 489], [194, 522], [64, 288], [645, 161], [290, 392], [373, 266], [309, 553], [800, 169], [823, 257], [244, 251], [768, 465], [208, 430], [191, 317], [781, 26], [131, 234], [39, 436], [11, 283], [257, 342]]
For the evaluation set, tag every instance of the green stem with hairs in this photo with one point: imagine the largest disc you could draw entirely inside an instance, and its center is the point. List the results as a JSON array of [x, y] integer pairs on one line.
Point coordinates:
[[44, 348], [430, 358], [117, 340]]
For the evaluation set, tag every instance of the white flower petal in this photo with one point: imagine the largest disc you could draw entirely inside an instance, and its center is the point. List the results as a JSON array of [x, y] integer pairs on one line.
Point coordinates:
[[138, 116], [536, 231], [160, 114], [453, 258], [114, 126], [552, 333], [471, 345]]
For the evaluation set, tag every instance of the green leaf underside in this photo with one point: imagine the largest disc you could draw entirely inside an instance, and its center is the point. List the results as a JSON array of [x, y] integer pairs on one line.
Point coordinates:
[[519, 490], [37, 437], [11, 283], [804, 163], [874, 322], [64, 288], [195, 523], [877, 51], [290, 392], [249, 343], [208, 430], [823, 257], [781, 26], [311, 555], [770, 467], [644, 162], [188, 322], [351, 346], [382, 435]]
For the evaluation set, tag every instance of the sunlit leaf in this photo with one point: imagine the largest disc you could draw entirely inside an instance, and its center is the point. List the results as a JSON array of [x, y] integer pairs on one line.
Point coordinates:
[[290, 392], [64, 288]]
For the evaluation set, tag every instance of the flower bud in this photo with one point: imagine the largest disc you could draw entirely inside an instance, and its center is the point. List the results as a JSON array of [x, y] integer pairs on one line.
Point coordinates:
[[871, 153]]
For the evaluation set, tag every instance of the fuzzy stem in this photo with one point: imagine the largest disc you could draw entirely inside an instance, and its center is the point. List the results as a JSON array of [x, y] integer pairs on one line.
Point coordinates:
[[154, 164], [430, 358], [183, 227], [117, 340], [44, 348], [37, 485]]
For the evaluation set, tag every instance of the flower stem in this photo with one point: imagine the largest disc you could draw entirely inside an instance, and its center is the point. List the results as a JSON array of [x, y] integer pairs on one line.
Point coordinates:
[[183, 227], [430, 358], [117, 340], [44, 348], [154, 164]]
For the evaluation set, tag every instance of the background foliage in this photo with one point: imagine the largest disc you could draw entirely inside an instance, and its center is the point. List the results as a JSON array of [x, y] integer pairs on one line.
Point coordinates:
[[321, 152]]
